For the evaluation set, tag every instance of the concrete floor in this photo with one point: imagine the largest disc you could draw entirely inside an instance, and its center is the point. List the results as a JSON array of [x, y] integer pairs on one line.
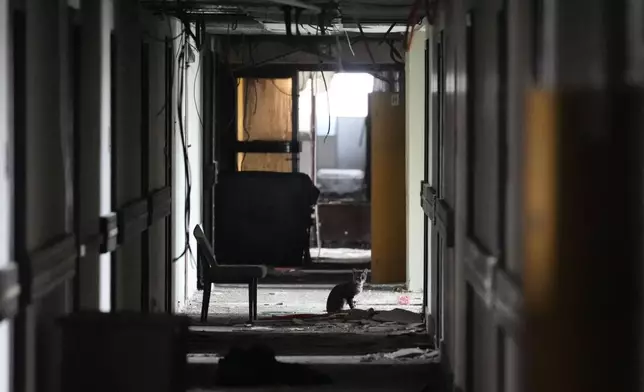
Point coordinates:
[[356, 354], [229, 303]]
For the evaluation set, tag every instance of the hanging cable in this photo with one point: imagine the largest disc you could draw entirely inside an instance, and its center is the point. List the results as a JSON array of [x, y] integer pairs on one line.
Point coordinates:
[[411, 22], [279, 89], [188, 180], [384, 37], [366, 43], [245, 117], [298, 12], [328, 103], [287, 20]]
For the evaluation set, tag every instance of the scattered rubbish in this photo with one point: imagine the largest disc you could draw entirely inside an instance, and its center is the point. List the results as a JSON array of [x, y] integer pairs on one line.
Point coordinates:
[[382, 328], [403, 332], [259, 328], [301, 316], [408, 353], [402, 354], [372, 357], [403, 300], [251, 327], [359, 314], [398, 315]]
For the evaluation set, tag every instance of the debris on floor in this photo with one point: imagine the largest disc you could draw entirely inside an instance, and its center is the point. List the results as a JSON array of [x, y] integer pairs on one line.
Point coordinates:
[[360, 314], [398, 315], [402, 355], [396, 322]]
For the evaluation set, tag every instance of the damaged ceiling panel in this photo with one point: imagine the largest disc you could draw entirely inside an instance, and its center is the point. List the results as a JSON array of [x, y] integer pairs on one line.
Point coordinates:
[[264, 17], [255, 51], [256, 33]]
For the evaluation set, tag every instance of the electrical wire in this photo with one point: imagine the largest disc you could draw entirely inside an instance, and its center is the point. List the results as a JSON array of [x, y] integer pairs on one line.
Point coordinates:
[[245, 118], [167, 41], [250, 55], [349, 42], [172, 39], [394, 54], [366, 43], [194, 94], [328, 103], [409, 28], [182, 73], [384, 37], [328, 99], [279, 89]]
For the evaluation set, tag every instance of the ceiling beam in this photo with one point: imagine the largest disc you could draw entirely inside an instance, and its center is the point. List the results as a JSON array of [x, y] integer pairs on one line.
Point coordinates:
[[298, 4]]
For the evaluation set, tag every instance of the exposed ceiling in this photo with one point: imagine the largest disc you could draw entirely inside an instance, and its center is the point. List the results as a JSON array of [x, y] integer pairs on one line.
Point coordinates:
[[263, 17]]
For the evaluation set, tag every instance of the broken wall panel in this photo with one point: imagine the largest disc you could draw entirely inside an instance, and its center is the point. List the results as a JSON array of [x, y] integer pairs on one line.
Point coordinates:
[[265, 108]]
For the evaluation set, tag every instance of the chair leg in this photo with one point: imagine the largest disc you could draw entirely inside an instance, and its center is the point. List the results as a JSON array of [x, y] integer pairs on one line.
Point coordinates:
[[251, 300], [205, 303], [255, 301]]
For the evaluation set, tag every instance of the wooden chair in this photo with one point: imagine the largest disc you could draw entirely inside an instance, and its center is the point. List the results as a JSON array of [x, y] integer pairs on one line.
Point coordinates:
[[217, 273]]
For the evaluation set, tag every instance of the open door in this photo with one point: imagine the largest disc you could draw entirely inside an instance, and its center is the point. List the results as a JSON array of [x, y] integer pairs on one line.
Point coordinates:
[[266, 120]]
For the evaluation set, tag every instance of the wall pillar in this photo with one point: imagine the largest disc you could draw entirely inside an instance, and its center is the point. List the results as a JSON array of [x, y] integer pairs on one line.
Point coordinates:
[[6, 207], [415, 157]]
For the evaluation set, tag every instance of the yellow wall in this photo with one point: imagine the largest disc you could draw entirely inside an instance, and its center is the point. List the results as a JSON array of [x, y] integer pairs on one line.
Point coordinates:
[[388, 201]]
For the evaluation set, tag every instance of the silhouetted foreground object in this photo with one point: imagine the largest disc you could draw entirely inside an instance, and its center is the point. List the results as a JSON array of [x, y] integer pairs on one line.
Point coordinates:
[[124, 352], [438, 381], [257, 366]]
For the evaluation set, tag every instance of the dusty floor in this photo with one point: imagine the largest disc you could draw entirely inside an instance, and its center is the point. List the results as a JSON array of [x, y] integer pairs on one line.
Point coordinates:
[[386, 349], [229, 303]]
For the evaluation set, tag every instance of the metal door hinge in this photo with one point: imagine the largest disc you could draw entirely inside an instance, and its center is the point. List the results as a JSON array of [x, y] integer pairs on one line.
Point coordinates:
[[212, 172], [9, 291], [109, 233]]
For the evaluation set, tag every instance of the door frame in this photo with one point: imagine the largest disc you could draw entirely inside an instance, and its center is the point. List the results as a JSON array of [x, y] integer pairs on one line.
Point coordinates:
[[266, 146]]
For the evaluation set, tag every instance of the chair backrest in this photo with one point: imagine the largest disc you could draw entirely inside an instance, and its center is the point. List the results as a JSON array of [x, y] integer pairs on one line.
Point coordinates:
[[263, 217], [204, 250]]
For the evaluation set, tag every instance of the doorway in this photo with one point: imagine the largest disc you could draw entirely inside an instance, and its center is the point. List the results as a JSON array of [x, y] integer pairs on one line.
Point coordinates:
[[265, 122], [333, 129]]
